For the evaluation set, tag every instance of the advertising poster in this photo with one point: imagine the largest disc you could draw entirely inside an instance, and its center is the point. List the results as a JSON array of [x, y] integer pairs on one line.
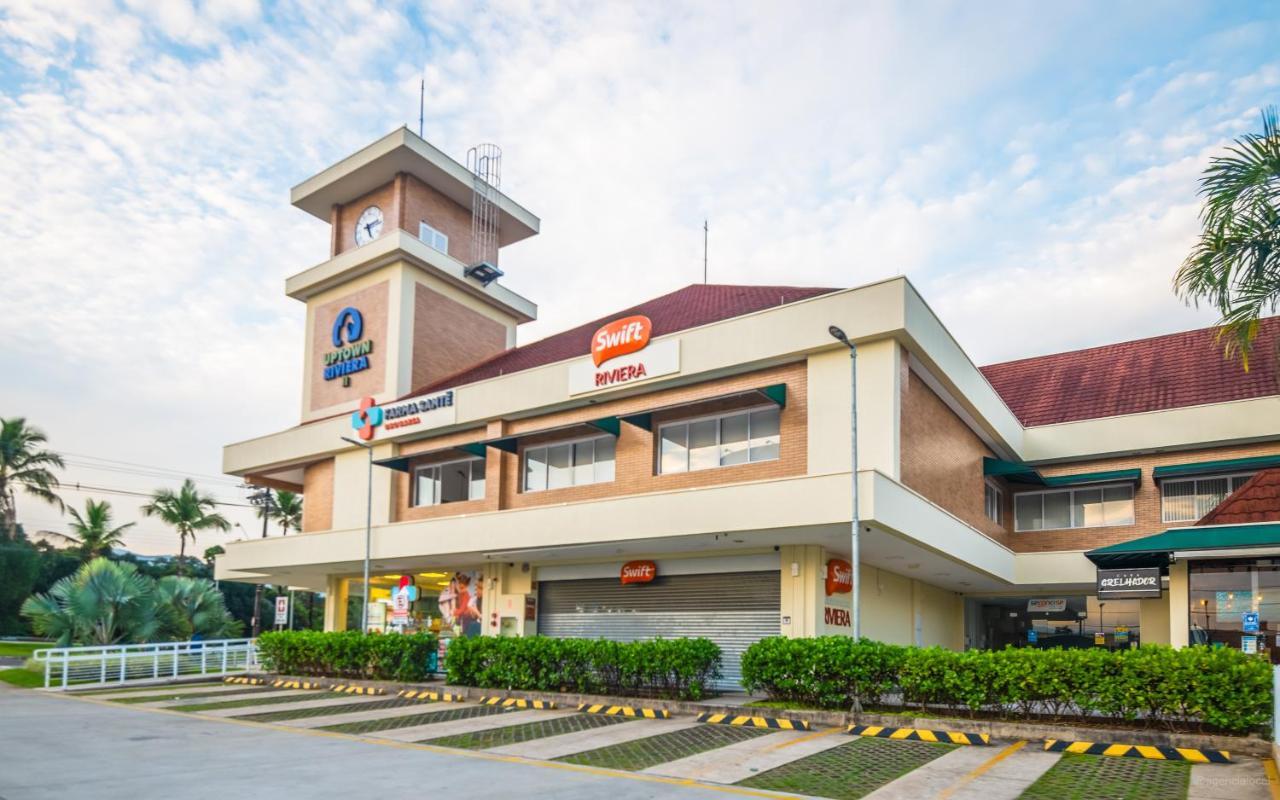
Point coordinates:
[[462, 603]]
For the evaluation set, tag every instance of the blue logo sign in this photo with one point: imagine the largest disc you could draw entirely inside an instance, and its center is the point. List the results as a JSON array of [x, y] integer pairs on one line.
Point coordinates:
[[350, 323], [1032, 636], [1249, 621]]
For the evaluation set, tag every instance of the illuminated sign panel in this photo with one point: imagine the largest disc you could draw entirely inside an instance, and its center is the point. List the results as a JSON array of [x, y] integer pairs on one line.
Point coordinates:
[[350, 354]]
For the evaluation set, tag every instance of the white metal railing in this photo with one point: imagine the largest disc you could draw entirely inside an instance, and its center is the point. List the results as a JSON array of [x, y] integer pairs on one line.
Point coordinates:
[[84, 667]]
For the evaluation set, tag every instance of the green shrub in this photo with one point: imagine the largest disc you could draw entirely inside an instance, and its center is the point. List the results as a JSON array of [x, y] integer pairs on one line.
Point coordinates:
[[678, 668], [347, 654], [1219, 688]]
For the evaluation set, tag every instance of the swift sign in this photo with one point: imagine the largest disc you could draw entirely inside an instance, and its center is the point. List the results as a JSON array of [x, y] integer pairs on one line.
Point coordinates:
[[621, 354], [639, 572], [839, 576]]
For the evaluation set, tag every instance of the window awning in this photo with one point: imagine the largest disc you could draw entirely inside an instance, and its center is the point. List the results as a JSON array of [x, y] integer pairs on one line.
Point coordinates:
[[1014, 472], [1156, 550], [511, 444], [775, 393], [401, 463], [1210, 467]]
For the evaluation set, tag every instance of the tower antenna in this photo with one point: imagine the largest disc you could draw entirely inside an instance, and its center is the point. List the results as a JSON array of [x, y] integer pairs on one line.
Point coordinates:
[[705, 230], [422, 103]]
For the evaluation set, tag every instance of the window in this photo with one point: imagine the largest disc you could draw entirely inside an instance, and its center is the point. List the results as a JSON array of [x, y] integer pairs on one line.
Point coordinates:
[[993, 502], [740, 438], [569, 464], [433, 237], [1091, 507], [1189, 499], [451, 482]]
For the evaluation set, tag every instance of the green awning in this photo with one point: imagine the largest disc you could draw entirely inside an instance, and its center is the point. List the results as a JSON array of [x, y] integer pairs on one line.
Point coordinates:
[[1155, 550], [776, 394], [511, 444], [401, 463], [1209, 467], [1014, 472]]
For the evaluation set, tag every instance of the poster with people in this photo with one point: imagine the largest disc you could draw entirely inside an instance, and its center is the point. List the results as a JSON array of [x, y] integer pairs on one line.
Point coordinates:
[[461, 603]]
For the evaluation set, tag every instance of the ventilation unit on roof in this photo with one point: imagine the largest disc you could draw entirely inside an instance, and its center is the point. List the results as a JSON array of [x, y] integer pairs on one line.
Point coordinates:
[[485, 164]]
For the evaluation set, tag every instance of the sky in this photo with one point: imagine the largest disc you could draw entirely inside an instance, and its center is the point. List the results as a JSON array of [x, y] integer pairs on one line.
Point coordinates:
[[1030, 167]]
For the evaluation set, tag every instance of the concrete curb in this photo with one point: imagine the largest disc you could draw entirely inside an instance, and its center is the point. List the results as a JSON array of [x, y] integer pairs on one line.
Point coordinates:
[[1191, 754], [748, 721], [920, 734], [624, 711], [994, 729]]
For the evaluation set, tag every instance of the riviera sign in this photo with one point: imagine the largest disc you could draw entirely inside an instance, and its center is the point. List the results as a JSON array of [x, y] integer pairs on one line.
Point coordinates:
[[351, 355]]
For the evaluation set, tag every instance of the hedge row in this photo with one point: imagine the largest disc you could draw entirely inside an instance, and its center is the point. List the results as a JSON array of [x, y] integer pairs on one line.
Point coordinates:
[[1220, 688], [347, 654], [676, 668]]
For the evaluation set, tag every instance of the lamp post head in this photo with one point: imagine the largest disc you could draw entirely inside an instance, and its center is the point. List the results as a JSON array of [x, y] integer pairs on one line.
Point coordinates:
[[357, 444], [838, 335]]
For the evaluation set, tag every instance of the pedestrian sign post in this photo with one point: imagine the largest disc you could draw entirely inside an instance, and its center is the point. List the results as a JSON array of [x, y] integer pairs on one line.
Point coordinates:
[[282, 611]]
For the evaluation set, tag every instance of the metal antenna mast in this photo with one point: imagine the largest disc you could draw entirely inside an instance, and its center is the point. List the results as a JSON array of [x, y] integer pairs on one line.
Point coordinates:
[[705, 230], [422, 103]]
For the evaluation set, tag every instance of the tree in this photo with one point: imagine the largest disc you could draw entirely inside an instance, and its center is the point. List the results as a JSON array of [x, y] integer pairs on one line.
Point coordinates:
[[104, 602], [199, 608], [26, 465], [94, 530], [1235, 266], [287, 511], [187, 511], [210, 553]]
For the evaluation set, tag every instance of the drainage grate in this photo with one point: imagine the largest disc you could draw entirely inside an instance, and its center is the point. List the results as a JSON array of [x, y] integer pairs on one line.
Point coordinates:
[[664, 747], [1080, 777], [391, 723], [514, 734], [850, 770]]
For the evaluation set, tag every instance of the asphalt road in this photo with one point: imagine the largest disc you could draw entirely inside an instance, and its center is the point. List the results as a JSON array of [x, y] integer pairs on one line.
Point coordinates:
[[56, 747]]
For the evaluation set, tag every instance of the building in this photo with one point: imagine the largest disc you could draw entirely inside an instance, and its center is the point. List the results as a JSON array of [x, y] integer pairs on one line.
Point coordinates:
[[682, 467]]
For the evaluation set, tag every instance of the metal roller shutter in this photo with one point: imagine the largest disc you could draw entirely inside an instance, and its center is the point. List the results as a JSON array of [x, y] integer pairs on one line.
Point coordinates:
[[732, 609]]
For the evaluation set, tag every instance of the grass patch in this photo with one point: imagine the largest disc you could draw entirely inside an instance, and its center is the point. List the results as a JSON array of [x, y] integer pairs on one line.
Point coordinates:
[[662, 748], [22, 649], [151, 687], [1081, 777], [18, 676], [248, 702], [143, 697], [514, 734], [851, 770], [428, 718]]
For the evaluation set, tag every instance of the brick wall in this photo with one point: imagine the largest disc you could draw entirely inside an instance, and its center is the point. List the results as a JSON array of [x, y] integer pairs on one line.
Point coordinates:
[[404, 203], [373, 302], [635, 454], [1146, 499], [448, 336], [317, 491], [941, 457]]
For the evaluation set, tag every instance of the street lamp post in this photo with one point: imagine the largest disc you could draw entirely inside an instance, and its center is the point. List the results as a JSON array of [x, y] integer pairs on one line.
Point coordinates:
[[854, 559], [368, 534], [260, 498]]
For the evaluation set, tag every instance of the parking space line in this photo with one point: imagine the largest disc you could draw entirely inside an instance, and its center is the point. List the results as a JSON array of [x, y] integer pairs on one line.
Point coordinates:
[[1273, 777], [809, 737], [977, 771]]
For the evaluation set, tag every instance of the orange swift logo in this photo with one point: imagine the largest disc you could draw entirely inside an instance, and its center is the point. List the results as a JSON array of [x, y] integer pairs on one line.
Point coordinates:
[[617, 338]]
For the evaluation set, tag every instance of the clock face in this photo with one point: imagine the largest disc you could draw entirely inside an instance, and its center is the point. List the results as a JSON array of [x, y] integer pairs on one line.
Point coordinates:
[[369, 226]]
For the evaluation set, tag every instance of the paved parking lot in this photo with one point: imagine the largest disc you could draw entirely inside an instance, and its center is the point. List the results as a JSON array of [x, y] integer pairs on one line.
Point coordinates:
[[208, 740]]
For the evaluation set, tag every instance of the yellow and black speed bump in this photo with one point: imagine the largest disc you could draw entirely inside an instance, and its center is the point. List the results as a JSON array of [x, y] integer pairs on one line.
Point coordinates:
[[428, 696], [283, 684], [920, 734], [245, 681], [1193, 754], [624, 711], [345, 689], [754, 722], [514, 702]]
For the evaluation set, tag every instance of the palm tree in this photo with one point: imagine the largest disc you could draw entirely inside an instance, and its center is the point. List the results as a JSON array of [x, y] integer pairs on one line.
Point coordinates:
[[188, 511], [24, 463], [1236, 264], [94, 530], [210, 553], [287, 511], [199, 608], [104, 602]]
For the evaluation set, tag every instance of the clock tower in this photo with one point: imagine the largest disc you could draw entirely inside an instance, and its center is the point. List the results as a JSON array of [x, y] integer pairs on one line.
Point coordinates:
[[410, 293]]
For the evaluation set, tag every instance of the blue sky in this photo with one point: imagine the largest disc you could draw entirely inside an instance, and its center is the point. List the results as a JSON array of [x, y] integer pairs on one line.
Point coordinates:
[[1032, 168]]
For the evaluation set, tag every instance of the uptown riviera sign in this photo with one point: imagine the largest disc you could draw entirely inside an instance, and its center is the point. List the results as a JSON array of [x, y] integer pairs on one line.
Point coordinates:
[[350, 355]]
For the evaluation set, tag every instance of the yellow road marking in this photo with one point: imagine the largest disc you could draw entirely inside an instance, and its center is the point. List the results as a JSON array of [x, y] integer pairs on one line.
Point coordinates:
[[1273, 777], [808, 737], [977, 771], [560, 765]]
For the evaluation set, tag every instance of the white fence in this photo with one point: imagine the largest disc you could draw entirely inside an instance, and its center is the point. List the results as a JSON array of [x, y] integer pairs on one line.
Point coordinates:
[[86, 667]]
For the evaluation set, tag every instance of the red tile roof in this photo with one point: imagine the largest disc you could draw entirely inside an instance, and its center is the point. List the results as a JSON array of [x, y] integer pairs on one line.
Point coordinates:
[[694, 305], [1258, 500], [1173, 371]]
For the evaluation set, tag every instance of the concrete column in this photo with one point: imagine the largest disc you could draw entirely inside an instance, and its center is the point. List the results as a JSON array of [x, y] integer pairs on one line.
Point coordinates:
[[335, 604], [801, 592], [1153, 619], [1179, 604], [879, 403]]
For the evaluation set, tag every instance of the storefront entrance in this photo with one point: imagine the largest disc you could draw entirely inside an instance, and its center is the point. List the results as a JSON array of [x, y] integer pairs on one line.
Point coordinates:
[[993, 623], [732, 609], [1236, 603]]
